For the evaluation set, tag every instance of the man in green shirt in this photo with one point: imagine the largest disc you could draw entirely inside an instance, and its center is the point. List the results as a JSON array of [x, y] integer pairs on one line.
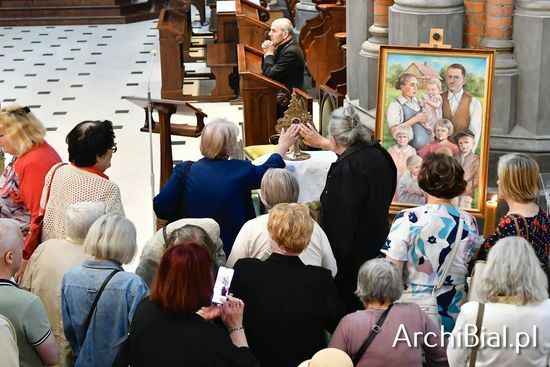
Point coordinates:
[[37, 345]]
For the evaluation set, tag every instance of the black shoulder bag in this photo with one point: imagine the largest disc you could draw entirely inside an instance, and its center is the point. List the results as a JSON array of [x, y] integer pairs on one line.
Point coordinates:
[[375, 330], [96, 300]]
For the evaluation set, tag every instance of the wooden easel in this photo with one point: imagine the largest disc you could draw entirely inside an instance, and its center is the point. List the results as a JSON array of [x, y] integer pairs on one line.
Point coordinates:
[[436, 39]]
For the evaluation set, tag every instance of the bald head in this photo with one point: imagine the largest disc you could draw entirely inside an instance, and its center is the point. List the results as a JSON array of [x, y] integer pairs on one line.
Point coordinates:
[[11, 241], [284, 23], [281, 31]]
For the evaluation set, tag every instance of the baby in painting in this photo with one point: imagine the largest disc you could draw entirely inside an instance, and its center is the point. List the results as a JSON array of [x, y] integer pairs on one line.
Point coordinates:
[[407, 188], [470, 164], [432, 104], [402, 150], [443, 129]]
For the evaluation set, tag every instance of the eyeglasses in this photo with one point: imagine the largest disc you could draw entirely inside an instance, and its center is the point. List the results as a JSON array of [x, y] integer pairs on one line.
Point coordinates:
[[114, 148]]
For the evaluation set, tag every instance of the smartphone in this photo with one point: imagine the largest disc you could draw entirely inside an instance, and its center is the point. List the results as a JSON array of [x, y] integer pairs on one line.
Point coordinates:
[[221, 287]]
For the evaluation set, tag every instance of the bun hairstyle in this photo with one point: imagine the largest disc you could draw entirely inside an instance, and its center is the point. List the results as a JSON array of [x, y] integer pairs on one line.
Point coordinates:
[[441, 176], [402, 80], [346, 127]]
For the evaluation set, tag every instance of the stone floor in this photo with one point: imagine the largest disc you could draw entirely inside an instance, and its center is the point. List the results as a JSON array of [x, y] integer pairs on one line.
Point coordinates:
[[67, 74]]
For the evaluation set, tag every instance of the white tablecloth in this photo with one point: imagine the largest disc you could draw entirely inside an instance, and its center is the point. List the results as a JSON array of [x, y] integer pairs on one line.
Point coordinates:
[[311, 173]]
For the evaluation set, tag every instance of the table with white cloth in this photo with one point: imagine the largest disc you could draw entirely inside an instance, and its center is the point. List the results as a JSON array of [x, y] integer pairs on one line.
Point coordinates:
[[311, 173]]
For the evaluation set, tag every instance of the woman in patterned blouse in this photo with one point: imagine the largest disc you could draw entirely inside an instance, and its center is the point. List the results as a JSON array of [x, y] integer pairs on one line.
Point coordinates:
[[519, 185]]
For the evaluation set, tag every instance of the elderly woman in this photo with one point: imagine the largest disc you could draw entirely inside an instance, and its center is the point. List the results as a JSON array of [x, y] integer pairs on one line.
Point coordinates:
[[218, 187], [379, 284], [279, 186], [21, 183], [91, 147], [52, 259], [202, 231], [422, 238], [171, 327], [515, 295], [356, 198], [289, 305], [519, 185], [407, 110], [93, 331]]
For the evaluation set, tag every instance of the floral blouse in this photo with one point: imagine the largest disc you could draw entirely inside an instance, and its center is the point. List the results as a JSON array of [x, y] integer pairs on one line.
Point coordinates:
[[534, 229]]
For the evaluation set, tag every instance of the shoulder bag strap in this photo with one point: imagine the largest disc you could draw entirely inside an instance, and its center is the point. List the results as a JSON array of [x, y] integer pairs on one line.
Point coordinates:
[[479, 322], [519, 231], [51, 182], [449, 259], [374, 331], [96, 299]]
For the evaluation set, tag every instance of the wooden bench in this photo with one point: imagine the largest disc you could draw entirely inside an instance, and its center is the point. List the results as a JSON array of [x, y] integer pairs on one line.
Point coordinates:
[[221, 58]]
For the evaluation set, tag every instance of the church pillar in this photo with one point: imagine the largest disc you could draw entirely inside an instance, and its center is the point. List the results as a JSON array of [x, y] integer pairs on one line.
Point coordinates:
[[305, 10], [531, 132], [369, 53], [410, 21]]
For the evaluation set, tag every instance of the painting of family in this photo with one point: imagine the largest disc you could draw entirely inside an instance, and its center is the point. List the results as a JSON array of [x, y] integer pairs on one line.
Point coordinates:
[[435, 101]]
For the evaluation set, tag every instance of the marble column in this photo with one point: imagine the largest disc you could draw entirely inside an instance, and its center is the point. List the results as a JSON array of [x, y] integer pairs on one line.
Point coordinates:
[[305, 10], [531, 132], [359, 15], [410, 21], [369, 53]]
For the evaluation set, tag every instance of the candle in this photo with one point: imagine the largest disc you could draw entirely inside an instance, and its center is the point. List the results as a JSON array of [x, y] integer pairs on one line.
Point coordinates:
[[490, 216]]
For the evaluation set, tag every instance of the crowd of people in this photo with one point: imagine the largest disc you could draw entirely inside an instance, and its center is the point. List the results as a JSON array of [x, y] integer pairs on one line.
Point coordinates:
[[350, 290]]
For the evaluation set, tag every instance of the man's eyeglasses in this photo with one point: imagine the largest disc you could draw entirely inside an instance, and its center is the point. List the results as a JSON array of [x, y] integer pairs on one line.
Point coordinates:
[[114, 148]]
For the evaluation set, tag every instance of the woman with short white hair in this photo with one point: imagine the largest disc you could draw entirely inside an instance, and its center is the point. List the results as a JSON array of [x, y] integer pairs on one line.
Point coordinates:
[[379, 285], [98, 297], [217, 186], [514, 291], [279, 185]]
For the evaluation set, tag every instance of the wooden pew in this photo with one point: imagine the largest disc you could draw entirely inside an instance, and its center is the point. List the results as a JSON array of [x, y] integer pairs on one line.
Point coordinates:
[[252, 32], [165, 109], [227, 30], [320, 54], [259, 97], [312, 23]]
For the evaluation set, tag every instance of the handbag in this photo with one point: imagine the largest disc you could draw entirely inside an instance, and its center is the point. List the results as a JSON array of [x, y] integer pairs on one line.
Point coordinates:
[[428, 303], [479, 323], [374, 331], [35, 233]]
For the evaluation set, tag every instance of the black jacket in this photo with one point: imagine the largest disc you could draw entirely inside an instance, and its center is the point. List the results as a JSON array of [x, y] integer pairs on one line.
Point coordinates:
[[354, 211], [286, 66], [287, 307]]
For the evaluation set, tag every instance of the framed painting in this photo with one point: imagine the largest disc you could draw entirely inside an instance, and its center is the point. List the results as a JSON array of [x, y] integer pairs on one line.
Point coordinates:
[[434, 100]]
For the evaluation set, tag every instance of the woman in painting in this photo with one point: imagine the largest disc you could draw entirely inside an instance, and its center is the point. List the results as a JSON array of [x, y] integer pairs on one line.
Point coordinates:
[[407, 110]]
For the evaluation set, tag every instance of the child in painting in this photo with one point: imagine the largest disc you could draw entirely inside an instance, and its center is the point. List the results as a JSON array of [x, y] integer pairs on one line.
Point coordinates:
[[432, 103], [408, 190], [470, 164], [443, 129], [402, 150]]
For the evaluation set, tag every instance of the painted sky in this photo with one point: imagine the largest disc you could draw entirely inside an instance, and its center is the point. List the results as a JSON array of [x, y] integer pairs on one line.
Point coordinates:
[[473, 65]]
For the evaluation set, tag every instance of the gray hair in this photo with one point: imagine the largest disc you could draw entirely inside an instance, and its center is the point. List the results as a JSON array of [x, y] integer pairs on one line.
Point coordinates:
[[279, 185], [219, 139], [344, 125], [286, 25], [80, 217], [113, 237], [379, 280], [195, 234], [513, 269], [11, 238]]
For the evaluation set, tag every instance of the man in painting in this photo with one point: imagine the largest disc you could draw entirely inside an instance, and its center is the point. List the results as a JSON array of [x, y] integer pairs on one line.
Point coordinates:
[[459, 106]]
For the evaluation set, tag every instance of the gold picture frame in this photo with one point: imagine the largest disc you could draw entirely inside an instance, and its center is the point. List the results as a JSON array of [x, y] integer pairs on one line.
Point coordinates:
[[430, 83]]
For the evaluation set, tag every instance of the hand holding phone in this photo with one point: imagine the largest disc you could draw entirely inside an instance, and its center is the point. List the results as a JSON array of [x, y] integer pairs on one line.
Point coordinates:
[[221, 287]]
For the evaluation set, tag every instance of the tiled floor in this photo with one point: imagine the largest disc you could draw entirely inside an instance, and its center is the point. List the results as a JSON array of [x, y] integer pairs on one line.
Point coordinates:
[[67, 74]]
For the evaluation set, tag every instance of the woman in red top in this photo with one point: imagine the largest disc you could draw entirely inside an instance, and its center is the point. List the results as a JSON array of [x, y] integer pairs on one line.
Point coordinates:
[[21, 183]]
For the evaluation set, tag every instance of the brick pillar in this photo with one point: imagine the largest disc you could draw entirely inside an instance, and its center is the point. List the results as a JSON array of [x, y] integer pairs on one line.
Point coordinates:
[[370, 48], [474, 22]]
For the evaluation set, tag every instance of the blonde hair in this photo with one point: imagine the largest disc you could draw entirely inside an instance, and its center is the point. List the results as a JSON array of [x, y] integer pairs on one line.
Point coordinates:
[[290, 226], [446, 124], [22, 128], [434, 81], [412, 160], [279, 185], [112, 237], [219, 139], [513, 269], [404, 129], [518, 176]]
